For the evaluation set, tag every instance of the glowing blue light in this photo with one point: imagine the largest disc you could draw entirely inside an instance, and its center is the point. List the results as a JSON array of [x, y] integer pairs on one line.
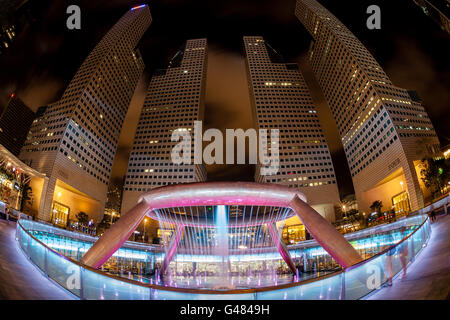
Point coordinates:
[[138, 7]]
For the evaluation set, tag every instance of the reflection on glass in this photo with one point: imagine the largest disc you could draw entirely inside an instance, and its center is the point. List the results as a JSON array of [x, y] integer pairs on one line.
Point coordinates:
[[248, 270]]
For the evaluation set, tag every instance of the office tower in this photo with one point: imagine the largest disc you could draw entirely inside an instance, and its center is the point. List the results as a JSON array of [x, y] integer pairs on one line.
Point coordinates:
[[15, 122], [113, 201], [16, 16], [438, 10], [384, 129], [281, 100], [74, 141], [175, 99]]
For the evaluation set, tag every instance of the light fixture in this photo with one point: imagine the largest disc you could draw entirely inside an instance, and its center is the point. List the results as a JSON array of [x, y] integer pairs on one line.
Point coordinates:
[[138, 7]]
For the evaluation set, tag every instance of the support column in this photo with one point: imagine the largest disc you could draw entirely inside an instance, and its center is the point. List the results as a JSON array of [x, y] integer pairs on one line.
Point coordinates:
[[281, 246], [46, 201], [172, 249], [413, 186], [325, 234], [115, 236]]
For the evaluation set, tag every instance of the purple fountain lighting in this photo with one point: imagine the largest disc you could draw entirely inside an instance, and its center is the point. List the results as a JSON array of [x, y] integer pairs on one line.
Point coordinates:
[[221, 246], [214, 221]]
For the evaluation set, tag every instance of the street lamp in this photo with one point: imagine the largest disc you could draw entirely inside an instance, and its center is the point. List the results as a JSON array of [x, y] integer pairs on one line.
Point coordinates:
[[112, 217]]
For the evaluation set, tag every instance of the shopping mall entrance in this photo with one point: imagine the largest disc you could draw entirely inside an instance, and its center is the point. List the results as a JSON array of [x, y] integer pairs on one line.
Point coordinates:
[[68, 202], [20, 185], [293, 230], [392, 192], [60, 214], [401, 204]]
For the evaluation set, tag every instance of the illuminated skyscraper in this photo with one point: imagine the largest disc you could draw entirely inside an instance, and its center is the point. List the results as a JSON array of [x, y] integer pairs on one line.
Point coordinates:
[[15, 122], [384, 129], [438, 10], [281, 100], [15, 17], [75, 140], [175, 99]]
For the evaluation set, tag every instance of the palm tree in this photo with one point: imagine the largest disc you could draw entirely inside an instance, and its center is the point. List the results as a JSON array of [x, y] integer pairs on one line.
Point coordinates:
[[26, 195], [103, 225], [435, 175], [376, 206], [82, 217]]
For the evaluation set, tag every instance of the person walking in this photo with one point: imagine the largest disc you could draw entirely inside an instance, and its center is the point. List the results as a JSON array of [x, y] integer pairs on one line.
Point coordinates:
[[388, 263], [433, 216], [403, 250]]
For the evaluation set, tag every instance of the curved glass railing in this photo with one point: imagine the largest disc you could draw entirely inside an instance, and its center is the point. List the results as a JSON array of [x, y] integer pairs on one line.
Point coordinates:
[[351, 283], [140, 261]]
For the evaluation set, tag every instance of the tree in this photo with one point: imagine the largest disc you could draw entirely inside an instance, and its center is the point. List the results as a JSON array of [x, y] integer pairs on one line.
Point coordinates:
[[435, 175], [7, 173], [376, 206], [352, 212], [82, 217], [103, 225], [26, 195]]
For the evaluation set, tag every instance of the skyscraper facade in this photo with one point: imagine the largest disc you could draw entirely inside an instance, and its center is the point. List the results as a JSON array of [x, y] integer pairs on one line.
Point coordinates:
[[15, 122], [175, 99], [281, 100], [74, 141], [15, 16], [438, 10], [385, 130]]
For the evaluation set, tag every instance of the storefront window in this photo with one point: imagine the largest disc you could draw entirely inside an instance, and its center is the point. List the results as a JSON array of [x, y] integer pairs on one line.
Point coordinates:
[[401, 204], [60, 214], [294, 234], [9, 191], [164, 235]]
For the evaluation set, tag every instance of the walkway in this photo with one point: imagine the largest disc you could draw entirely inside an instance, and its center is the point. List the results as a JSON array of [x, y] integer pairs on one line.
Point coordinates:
[[19, 278], [428, 277]]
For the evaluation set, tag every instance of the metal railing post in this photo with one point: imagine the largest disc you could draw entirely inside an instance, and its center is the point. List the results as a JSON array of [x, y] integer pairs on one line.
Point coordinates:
[[342, 293], [28, 247], [45, 262]]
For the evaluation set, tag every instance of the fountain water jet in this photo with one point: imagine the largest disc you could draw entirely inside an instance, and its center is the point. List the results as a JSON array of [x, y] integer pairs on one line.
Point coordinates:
[[221, 247]]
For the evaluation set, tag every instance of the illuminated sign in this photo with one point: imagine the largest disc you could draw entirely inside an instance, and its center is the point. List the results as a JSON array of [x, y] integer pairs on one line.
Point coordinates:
[[138, 7]]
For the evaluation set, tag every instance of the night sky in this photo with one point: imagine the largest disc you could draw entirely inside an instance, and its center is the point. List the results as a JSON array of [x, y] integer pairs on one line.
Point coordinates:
[[410, 48]]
